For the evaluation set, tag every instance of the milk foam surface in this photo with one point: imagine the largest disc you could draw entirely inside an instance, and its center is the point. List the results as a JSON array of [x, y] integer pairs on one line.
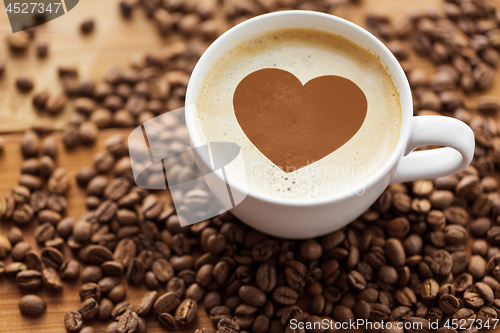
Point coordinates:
[[306, 54]]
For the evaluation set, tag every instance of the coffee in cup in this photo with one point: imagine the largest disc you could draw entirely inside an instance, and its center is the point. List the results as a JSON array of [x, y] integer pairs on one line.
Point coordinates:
[[335, 74]]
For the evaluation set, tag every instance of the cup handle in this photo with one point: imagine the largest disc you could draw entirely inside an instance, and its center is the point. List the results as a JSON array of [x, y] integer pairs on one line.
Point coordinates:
[[427, 164]]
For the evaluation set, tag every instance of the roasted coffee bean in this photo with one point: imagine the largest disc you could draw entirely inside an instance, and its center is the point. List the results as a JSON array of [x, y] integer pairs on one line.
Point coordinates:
[[82, 231], [477, 266], [15, 235], [388, 274], [97, 185], [70, 269], [23, 214], [6, 247], [449, 303], [55, 105], [15, 267], [398, 227], [128, 322], [379, 312], [216, 243], [106, 211], [252, 295], [162, 269], [167, 321], [33, 261], [20, 194], [343, 314], [142, 326], [32, 305], [96, 254], [472, 299], [112, 268], [87, 132], [91, 274], [167, 302], [460, 262], [464, 313], [56, 242], [30, 166], [120, 309], [135, 272], [29, 279], [211, 300], [177, 286], [285, 295], [265, 277], [486, 314], [204, 274], [289, 313], [48, 215], [486, 292], [152, 206], [47, 165], [73, 321], [103, 162], [118, 293], [105, 308], [112, 328], [70, 136], [226, 325], [421, 309], [52, 257], [310, 250], [400, 313], [106, 284], [58, 182], [65, 227], [90, 290], [125, 251], [151, 281], [88, 308], [30, 144], [49, 149], [85, 175], [186, 311], [429, 289], [33, 183], [447, 288], [406, 297], [442, 262], [362, 309], [44, 232], [117, 188], [147, 302], [19, 250], [219, 312], [51, 279], [356, 280]]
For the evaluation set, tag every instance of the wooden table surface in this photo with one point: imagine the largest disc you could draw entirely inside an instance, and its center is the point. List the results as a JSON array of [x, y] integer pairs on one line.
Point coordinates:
[[113, 41]]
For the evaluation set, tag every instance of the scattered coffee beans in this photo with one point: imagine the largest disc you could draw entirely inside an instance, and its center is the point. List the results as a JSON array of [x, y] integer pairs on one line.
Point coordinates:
[[32, 305]]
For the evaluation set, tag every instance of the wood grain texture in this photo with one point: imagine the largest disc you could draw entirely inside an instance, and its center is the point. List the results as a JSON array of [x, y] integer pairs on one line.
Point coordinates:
[[113, 41]]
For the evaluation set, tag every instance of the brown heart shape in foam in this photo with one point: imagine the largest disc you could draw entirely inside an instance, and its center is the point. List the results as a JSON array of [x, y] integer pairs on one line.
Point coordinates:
[[295, 125]]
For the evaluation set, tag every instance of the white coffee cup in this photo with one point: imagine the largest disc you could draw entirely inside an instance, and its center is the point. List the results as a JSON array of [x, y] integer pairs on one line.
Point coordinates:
[[305, 218]]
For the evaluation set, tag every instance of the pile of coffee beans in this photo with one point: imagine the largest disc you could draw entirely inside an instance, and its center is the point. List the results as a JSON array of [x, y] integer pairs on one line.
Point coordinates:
[[153, 83], [405, 259], [464, 45]]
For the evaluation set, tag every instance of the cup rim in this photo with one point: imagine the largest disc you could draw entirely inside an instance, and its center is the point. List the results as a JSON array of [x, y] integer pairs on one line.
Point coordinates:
[[398, 78]]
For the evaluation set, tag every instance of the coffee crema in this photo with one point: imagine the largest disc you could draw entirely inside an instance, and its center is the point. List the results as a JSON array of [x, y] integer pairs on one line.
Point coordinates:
[[307, 54]]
